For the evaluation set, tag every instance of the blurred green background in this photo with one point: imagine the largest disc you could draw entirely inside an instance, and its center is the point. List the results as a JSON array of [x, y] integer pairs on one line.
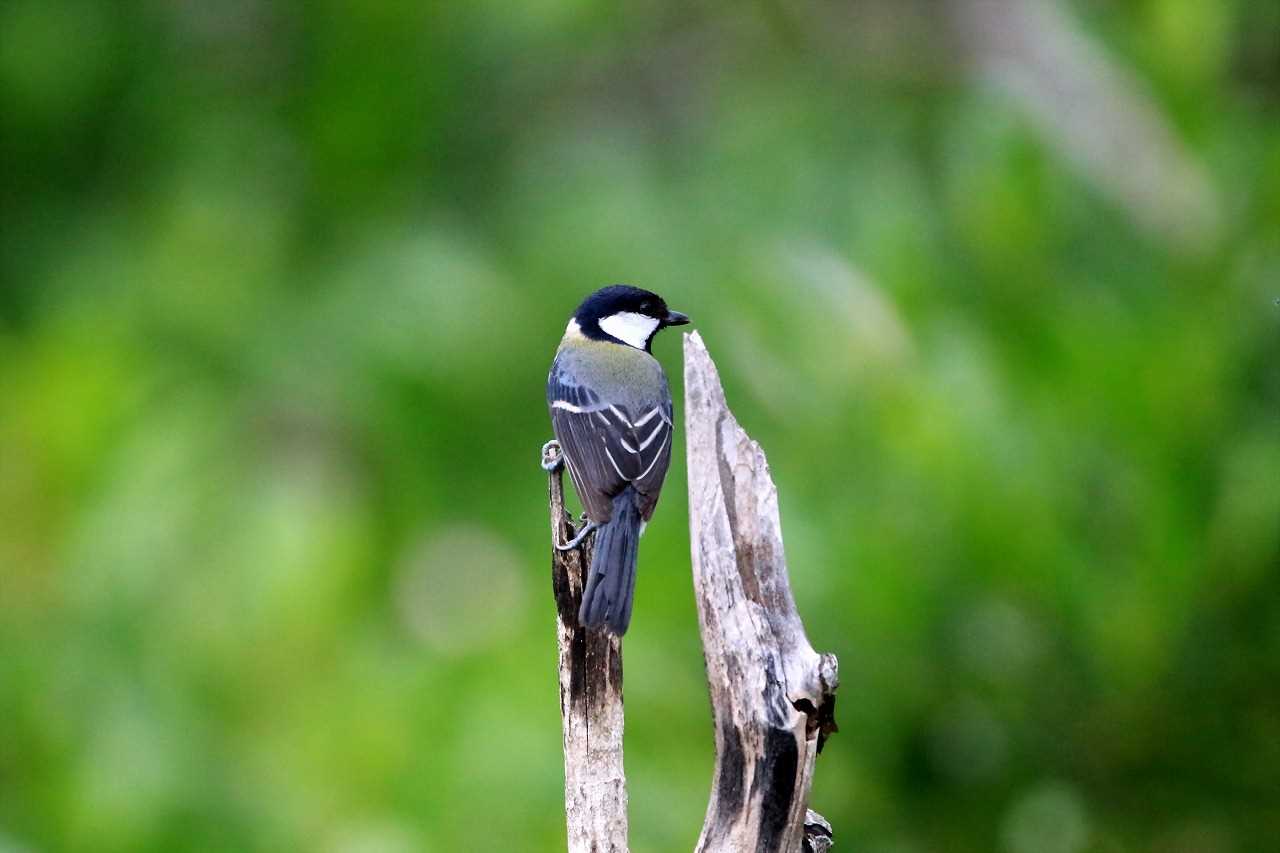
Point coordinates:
[[992, 282]]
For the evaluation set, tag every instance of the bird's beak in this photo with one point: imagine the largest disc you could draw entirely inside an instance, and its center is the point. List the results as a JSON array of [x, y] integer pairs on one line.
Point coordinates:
[[675, 318]]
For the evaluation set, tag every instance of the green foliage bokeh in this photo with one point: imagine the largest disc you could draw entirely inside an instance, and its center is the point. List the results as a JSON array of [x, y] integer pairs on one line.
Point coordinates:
[[281, 282]]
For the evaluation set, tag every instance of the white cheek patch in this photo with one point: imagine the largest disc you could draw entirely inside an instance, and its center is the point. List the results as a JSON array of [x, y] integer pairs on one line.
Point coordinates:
[[630, 327]]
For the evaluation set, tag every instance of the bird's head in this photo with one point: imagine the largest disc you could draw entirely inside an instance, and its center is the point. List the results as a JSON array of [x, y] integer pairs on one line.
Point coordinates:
[[624, 314]]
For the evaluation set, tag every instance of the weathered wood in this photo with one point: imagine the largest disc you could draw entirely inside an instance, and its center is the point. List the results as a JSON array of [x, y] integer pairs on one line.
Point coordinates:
[[817, 833], [772, 695], [595, 786]]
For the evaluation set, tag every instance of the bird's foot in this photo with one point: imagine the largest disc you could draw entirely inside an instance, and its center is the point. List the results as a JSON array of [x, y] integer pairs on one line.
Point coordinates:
[[552, 458], [575, 541]]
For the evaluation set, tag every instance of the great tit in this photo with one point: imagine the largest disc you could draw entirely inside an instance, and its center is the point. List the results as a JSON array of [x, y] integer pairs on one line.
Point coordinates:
[[611, 413]]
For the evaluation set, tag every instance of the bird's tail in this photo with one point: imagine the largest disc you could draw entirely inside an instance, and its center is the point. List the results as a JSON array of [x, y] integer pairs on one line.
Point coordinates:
[[611, 584]]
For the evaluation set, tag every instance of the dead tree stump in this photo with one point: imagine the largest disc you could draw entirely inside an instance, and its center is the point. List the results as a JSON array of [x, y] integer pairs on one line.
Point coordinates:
[[590, 663], [772, 695]]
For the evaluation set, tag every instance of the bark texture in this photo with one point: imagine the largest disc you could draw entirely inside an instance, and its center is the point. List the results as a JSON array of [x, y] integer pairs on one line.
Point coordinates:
[[595, 786], [772, 695]]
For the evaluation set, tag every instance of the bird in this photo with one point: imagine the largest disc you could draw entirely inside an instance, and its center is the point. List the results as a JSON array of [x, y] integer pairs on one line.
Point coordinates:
[[612, 416]]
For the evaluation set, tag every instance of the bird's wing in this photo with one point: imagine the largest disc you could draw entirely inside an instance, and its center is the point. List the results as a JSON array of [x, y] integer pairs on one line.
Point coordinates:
[[607, 446], [577, 422], [649, 450]]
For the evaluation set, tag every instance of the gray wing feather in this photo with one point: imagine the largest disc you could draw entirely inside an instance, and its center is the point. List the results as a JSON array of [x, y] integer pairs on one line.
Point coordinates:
[[608, 446]]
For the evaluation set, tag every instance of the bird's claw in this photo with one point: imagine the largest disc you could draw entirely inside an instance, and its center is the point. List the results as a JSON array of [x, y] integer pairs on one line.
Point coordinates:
[[552, 458], [575, 541]]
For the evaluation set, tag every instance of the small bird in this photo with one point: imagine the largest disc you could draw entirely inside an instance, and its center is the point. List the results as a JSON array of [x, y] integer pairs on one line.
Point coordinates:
[[611, 413]]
